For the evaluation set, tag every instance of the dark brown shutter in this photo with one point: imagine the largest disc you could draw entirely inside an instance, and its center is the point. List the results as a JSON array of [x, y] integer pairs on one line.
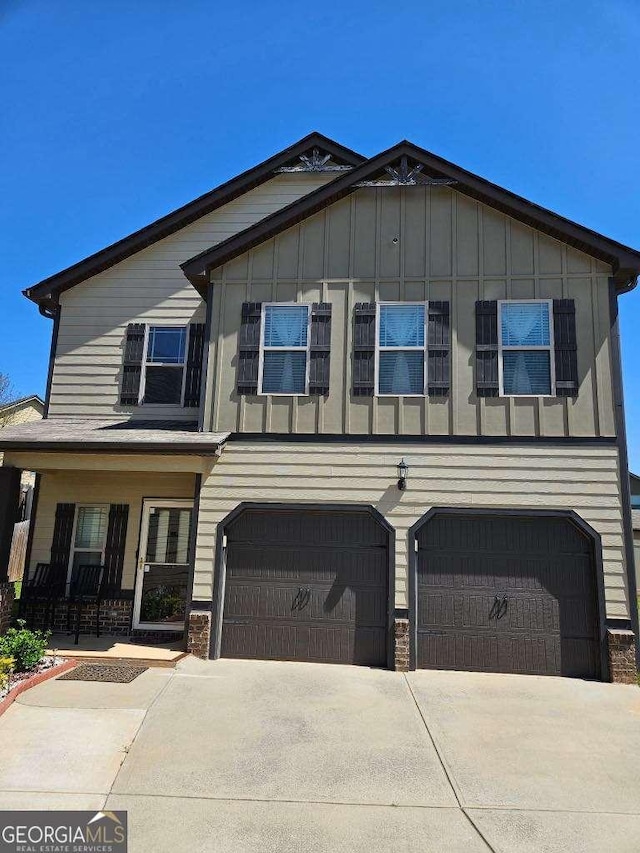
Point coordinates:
[[194, 365], [364, 349], [564, 333], [114, 549], [487, 382], [132, 364], [249, 348], [320, 348], [438, 350], [61, 544]]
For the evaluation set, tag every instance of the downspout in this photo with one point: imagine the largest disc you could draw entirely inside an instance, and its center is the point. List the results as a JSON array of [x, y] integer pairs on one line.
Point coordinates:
[[51, 313], [623, 459]]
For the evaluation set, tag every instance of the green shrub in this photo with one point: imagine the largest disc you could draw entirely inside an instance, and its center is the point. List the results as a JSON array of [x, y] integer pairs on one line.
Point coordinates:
[[6, 668], [26, 647]]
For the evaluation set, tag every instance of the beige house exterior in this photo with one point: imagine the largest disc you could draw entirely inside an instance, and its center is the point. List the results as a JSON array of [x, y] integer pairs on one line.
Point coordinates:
[[278, 523]]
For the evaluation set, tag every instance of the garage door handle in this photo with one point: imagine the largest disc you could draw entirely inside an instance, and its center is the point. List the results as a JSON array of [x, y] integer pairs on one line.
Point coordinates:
[[499, 607], [301, 598], [503, 607]]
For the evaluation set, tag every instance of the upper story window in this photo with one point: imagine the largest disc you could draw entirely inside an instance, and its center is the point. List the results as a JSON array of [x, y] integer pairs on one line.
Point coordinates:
[[284, 349], [401, 349], [525, 363], [164, 365]]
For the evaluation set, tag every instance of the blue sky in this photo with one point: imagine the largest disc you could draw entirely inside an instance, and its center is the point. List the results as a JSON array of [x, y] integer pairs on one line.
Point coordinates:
[[114, 113]]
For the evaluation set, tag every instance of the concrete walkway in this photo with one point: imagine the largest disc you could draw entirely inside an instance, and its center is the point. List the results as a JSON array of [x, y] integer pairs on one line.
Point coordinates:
[[263, 756]]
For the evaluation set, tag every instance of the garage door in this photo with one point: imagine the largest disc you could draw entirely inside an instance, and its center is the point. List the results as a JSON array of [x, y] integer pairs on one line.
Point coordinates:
[[306, 585], [506, 594]]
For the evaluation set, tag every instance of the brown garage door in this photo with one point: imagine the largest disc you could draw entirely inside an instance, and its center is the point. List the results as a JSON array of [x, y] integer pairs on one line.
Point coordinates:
[[306, 585], [506, 594]]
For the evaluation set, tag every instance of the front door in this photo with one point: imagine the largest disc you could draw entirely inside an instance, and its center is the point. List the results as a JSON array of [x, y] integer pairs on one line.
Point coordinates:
[[163, 565]]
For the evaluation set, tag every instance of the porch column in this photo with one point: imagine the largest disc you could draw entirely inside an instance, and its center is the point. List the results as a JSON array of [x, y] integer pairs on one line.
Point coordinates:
[[9, 503]]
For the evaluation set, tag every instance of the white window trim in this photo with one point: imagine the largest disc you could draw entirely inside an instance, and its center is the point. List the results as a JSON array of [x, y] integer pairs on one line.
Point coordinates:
[[378, 393], [145, 350], [73, 549], [509, 348], [306, 349]]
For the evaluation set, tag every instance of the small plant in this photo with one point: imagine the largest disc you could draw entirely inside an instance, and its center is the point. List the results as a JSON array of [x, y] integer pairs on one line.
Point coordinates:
[[26, 647], [6, 668]]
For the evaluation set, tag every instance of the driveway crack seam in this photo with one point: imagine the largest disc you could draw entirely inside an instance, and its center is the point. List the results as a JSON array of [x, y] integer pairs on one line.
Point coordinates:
[[447, 772], [135, 737]]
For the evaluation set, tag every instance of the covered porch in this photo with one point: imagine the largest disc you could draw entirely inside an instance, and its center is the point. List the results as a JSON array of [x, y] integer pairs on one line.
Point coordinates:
[[113, 533], [127, 649]]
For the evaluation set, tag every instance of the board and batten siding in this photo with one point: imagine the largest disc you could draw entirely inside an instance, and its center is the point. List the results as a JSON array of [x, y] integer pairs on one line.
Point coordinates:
[[149, 287], [584, 479], [99, 487], [413, 244]]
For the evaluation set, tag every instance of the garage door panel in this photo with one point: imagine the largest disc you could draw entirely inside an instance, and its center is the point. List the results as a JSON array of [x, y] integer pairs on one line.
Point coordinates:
[[492, 534], [478, 652], [366, 566], [506, 594], [493, 571], [365, 647], [451, 610], [306, 584], [351, 606], [307, 527]]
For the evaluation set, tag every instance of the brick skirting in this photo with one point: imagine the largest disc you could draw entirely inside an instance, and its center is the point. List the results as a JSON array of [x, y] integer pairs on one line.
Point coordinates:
[[115, 617], [6, 603], [401, 645], [199, 633], [622, 656]]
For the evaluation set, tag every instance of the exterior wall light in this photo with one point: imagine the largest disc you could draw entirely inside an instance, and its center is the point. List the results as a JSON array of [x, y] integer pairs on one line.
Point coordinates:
[[403, 472]]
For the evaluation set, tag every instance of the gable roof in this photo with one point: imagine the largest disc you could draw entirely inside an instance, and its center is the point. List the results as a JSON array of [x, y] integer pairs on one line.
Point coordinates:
[[32, 398], [624, 260], [47, 291]]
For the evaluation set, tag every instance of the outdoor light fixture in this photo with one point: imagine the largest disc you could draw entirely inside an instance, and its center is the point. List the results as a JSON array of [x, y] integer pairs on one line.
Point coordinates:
[[403, 470]]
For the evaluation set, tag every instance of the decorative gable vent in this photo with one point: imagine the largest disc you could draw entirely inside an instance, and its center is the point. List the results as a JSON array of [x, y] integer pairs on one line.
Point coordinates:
[[406, 173], [315, 160]]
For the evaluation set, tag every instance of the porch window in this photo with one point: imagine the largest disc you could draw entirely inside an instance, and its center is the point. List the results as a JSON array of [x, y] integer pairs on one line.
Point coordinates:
[[401, 349], [168, 539], [284, 351], [163, 379], [525, 363], [90, 533]]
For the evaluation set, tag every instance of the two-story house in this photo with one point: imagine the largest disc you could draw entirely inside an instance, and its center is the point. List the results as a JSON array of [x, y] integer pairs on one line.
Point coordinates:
[[362, 411]]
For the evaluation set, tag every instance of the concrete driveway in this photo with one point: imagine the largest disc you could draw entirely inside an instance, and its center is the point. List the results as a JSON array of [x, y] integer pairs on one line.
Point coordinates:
[[260, 756]]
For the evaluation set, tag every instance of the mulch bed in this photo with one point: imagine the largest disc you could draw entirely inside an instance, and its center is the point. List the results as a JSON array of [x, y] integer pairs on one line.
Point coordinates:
[[118, 673]]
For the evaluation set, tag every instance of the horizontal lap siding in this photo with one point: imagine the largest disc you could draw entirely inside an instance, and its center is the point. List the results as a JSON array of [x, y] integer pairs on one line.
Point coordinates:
[[148, 287], [412, 244], [103, 488], [582, 479]]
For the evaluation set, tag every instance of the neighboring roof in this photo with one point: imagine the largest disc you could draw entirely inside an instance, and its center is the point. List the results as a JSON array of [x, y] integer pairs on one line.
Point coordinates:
[[33, 399], [635, 519], [624, 260], [61, 434], [47, 290], [634, 479]]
